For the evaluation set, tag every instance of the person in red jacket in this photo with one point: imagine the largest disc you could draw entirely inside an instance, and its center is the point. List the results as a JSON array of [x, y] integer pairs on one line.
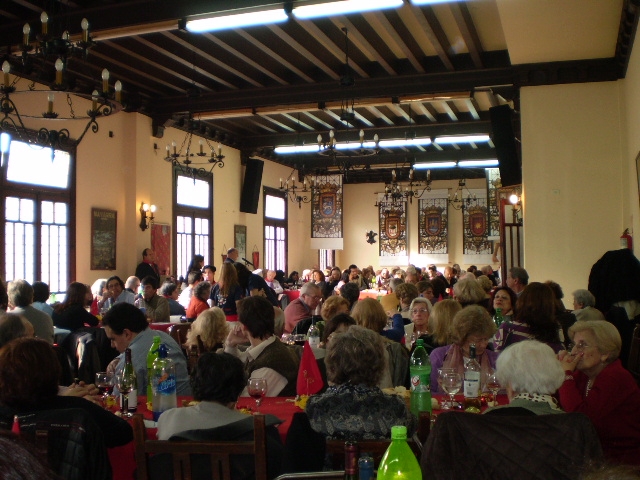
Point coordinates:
[[597, 385], [198, 302]]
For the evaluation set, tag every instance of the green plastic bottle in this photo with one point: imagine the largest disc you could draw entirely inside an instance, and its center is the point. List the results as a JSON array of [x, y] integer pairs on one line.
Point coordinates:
[[498, 318], [151, 357], [420, 370], [399, 462]]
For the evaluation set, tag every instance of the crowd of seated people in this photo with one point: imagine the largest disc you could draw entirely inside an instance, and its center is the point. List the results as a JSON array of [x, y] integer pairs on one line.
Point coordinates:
[[579, 355]]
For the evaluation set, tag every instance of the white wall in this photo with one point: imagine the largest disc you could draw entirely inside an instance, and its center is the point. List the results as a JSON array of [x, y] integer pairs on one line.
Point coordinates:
[[573, 179]]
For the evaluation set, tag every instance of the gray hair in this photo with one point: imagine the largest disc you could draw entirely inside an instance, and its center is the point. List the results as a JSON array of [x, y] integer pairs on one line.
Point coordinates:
[[521, 274], [468, 291], [20, 293], [530, 367], [607, 337], [421, 300], [200, 289], [309, 288], [584, 298], [394, 282], [98, 286]]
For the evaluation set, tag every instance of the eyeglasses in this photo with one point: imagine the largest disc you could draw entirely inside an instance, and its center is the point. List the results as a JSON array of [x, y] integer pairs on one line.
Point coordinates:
[[415, 311], [315, 297], [580, 346]]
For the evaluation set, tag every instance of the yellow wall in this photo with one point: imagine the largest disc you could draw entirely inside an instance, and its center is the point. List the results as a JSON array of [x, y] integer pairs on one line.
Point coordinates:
[[573, 179]]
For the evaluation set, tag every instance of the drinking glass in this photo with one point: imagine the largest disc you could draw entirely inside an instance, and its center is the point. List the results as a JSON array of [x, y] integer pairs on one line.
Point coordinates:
[[125, 385], [257, 388], [451, 384], [494, 386], [441, 373], [104, 383]]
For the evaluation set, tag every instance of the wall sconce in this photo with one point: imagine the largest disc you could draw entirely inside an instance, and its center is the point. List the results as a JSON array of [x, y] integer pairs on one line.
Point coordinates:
[[516, 201], [146, 222]]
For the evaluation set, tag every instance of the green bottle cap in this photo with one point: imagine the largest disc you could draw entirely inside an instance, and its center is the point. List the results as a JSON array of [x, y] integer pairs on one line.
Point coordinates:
[[398, 432], [420, 342]]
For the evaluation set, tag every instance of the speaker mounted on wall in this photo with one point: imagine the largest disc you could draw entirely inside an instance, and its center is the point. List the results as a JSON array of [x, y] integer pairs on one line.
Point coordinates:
[[251, 186], [505, 142]]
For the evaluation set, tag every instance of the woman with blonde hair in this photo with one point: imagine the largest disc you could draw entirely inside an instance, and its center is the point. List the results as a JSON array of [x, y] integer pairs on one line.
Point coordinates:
[[441, 320], [369, 313], [227, 293], [334, 305], [212, 328]]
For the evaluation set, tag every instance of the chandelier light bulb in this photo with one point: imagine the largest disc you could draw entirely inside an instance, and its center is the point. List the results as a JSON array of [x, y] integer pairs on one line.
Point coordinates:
[[118, 89], [84, 24], [26, 30], [44, 19], [105, 80]]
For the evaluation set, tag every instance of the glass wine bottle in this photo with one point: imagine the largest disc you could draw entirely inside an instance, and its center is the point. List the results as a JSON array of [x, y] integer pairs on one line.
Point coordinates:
[[128, 385], [350, 460], [472, 372]]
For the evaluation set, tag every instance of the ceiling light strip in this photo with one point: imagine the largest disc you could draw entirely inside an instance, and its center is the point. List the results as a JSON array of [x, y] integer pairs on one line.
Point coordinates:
[[344, 7]]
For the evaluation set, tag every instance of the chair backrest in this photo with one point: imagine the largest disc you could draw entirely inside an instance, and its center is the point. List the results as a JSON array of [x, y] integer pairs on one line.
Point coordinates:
[[178, 332], [69, 438], [220, 452], [509, 446], [633, 364], [376, 448]]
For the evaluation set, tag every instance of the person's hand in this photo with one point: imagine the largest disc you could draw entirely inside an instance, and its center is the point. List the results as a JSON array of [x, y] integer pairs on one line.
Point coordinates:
[[236, 336], [81, 389], [568, 360]]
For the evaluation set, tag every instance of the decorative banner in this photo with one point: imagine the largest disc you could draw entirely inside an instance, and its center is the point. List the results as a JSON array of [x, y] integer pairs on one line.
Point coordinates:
[[161, 245], [433, 226], [475, 229], [326, 207], [493, 184], [393, 230]]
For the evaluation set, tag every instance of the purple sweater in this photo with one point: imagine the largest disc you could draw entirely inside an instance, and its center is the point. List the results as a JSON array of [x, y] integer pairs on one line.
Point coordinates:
[[437, 359]]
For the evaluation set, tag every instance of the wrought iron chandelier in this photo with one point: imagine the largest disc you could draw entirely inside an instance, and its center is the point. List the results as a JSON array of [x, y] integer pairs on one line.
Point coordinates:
[[296, 193], [188, 160], [458, 201], [395, 193], [18, 106]]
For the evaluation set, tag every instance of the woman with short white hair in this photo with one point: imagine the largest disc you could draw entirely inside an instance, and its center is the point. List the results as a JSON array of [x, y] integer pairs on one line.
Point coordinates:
[[531, 373]]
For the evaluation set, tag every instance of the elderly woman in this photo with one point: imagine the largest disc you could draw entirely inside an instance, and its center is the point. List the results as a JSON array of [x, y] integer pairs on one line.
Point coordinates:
[[198, 302], [534, 320], [584, 306], [333, 306], [369, 313], [353, 407], [212, 328], [469, 292], [505, 299], [420, 311], [71, 313], [471, 326], [597, 385], [406, 292], [527, 387]]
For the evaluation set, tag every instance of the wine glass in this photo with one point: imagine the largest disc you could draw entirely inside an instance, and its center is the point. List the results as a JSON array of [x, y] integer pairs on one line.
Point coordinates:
[[451, 384], [494, 386], [257, 388], [125, 385], [441, 373], [104, 383]]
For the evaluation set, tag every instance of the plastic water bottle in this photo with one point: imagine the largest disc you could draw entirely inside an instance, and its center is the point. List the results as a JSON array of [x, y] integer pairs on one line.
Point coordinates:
[[163, 383], [420, 370], [313, 334], [151, 357], [399, 461]]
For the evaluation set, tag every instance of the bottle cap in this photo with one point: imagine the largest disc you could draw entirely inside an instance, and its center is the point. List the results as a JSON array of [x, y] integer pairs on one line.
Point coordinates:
[[420, 342], [162, 351], [398, 432]]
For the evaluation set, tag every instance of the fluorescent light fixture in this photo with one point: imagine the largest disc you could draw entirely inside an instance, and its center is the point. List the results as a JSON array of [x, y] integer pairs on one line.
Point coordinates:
[[457, 139], [478, 163], [405, 142], [430, 2], [343, 7], [429, 166], [5, 140], [236, 20], [296, 149]]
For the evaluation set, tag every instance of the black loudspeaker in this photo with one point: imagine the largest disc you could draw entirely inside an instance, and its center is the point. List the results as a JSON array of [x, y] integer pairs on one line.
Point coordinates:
[[251, 186], [505, 142]]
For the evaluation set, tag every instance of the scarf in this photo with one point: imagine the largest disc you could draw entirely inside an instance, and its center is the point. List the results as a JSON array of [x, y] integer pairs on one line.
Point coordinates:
[[454, 358], [538, 398]]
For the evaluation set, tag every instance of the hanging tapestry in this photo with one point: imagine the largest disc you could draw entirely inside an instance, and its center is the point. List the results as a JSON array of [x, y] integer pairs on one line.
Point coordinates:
[[393, 230], [326, 207], [493, 184], [433, 226], [476, 228]]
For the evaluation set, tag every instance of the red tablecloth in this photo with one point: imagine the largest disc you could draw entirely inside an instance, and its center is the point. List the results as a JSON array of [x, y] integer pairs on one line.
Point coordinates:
[[281, 407], [292, 294], [163, 326]]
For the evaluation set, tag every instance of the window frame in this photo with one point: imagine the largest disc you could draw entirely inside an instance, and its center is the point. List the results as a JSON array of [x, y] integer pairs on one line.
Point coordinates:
[[190, 211], [274, 222], [38, 194]]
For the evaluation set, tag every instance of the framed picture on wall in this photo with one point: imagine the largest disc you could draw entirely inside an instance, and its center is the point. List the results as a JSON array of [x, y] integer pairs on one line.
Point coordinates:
[[103, 239], [240, 240]]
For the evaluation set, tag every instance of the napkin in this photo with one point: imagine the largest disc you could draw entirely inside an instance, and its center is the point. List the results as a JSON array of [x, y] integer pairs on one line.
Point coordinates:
[[309, 377]]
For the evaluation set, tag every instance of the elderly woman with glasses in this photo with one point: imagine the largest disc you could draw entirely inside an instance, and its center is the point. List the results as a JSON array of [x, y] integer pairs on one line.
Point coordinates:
[[420, 311], [471, 326], [597, 385]]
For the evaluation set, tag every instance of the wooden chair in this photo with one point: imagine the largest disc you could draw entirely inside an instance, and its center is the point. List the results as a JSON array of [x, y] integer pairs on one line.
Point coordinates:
[[377, 448], [219, 452], [633, 364], [178, 332]]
